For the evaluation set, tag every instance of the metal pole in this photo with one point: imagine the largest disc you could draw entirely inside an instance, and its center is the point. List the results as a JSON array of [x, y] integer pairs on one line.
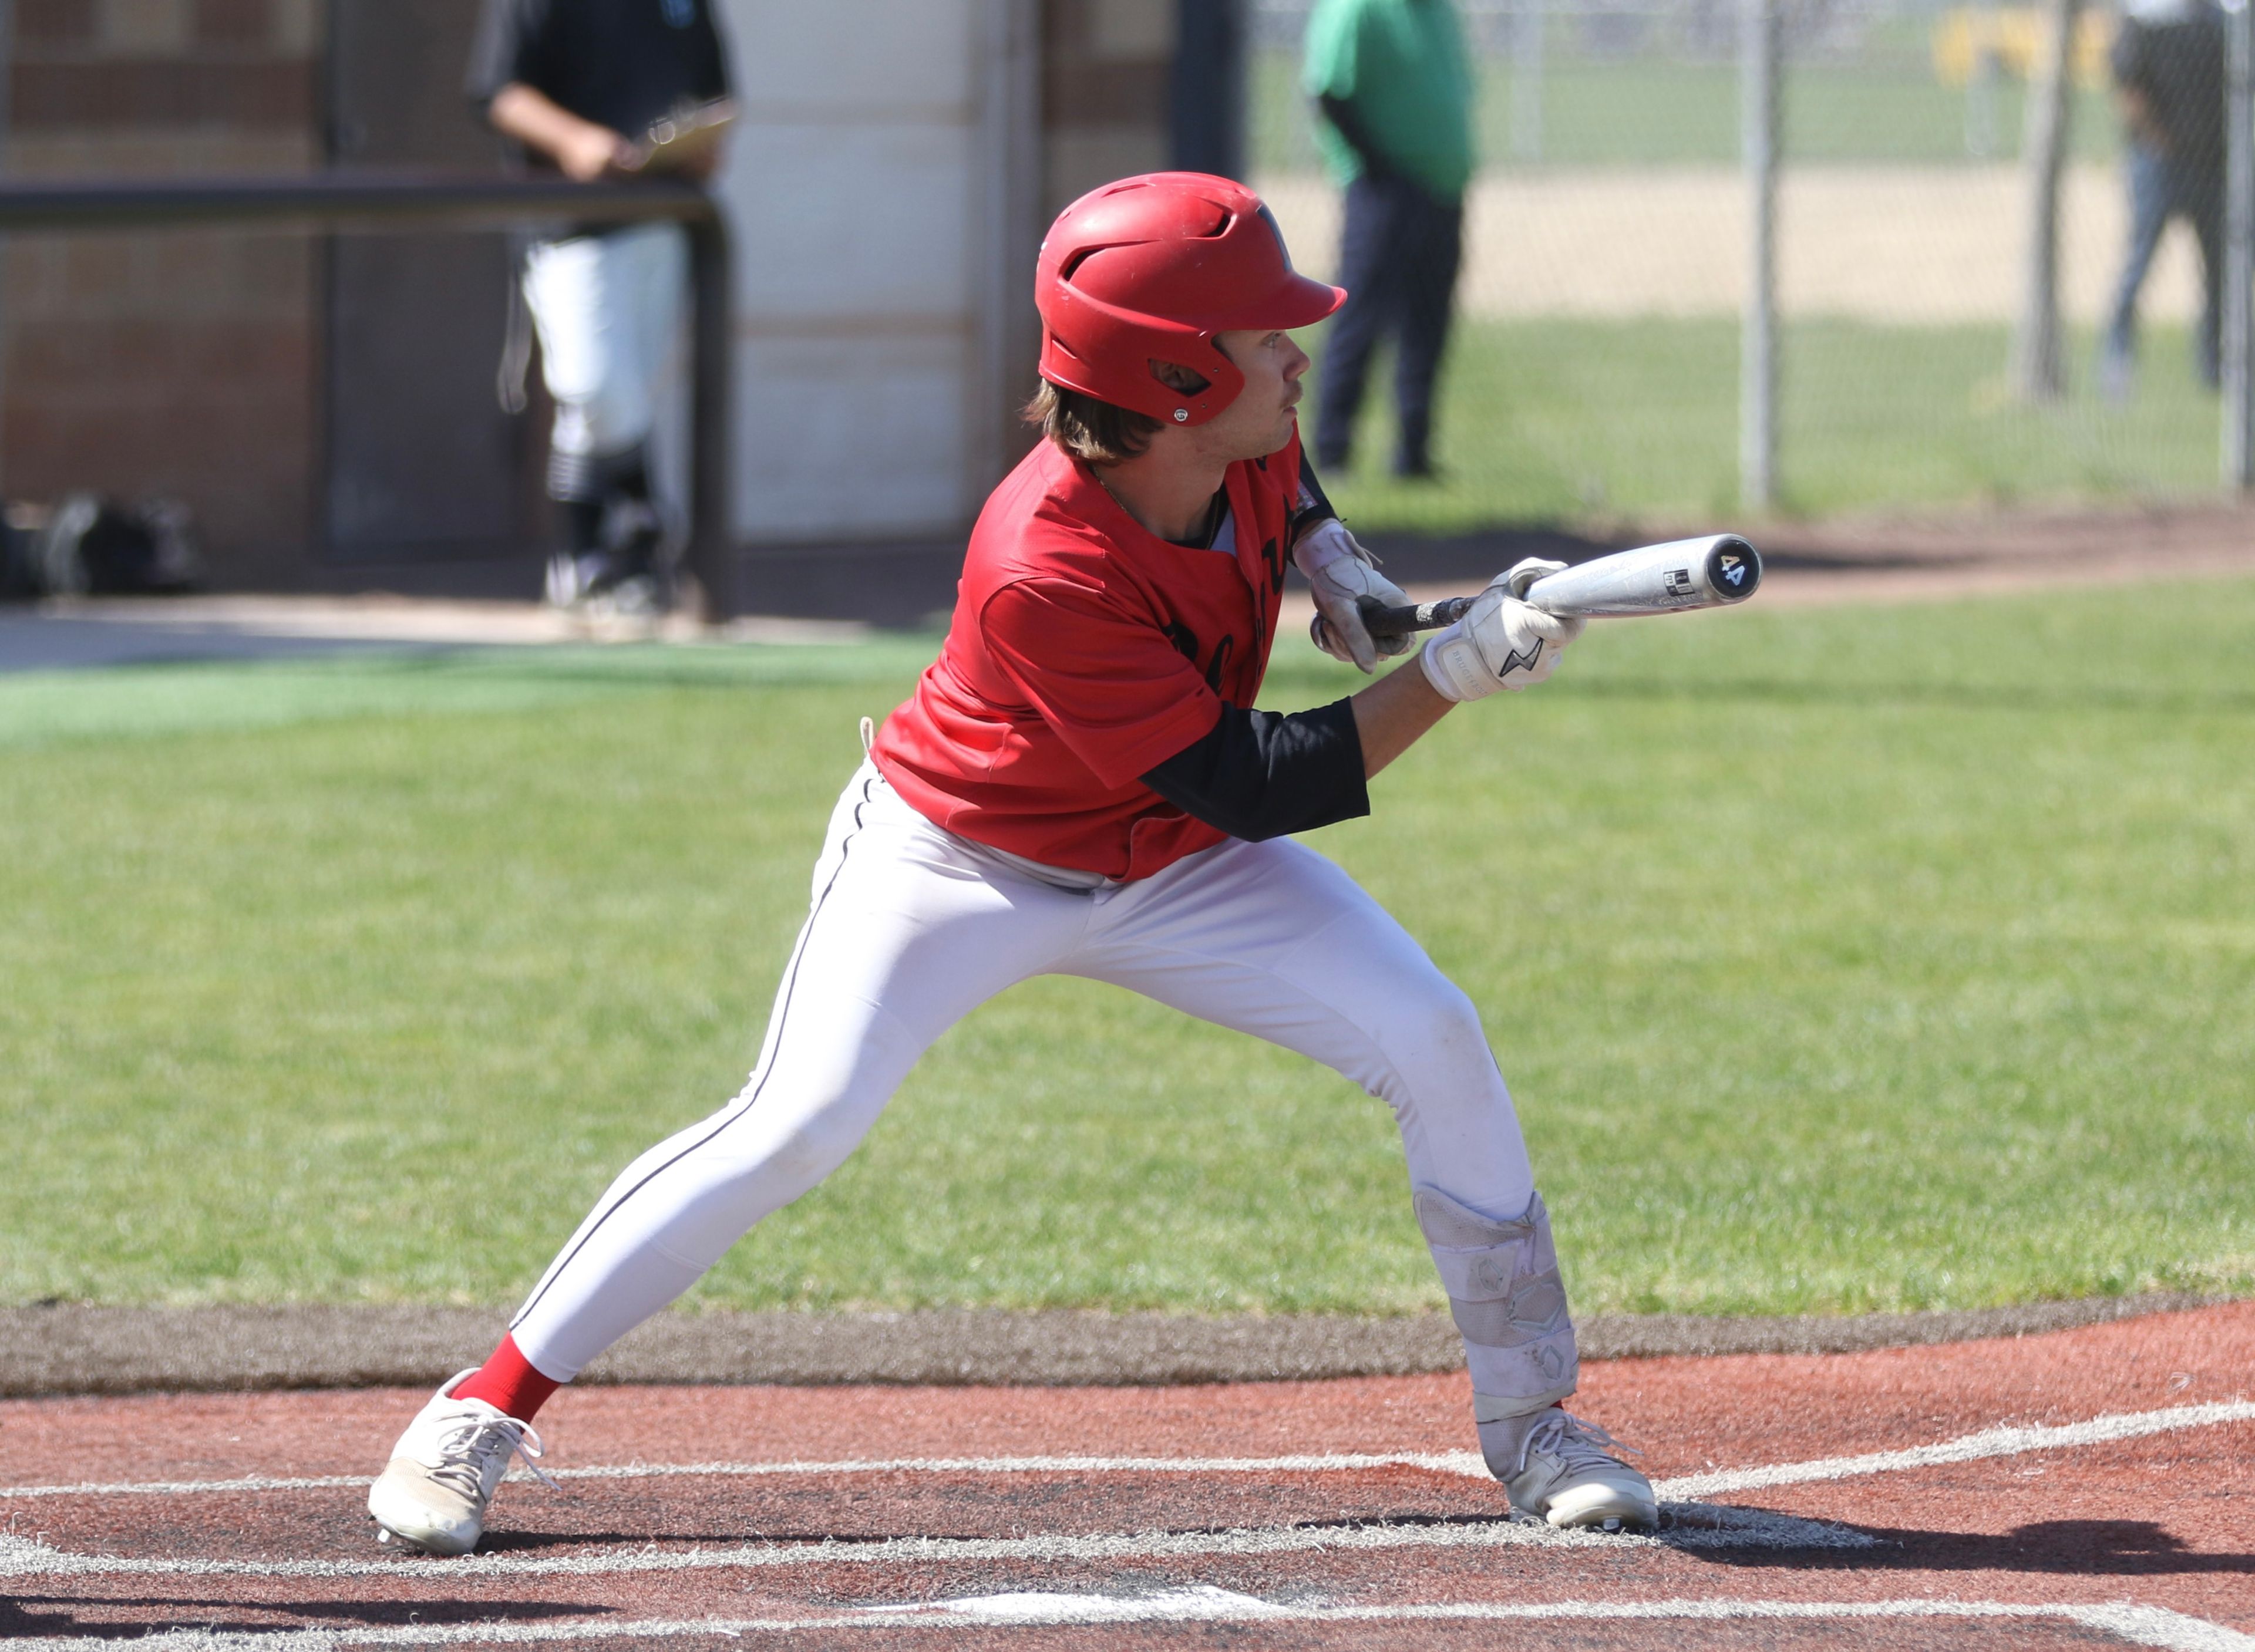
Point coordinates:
[[1205, 90], [1758, 88], [1981, 80], [365, 201], [1010, 168], [1527, 20], [712, 553], [2038, 373], [361, 200], [7, 116], [2238, 340]]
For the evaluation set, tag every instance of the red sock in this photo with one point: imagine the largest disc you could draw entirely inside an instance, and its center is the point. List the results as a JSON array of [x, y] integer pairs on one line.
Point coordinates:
[[509, 1383]]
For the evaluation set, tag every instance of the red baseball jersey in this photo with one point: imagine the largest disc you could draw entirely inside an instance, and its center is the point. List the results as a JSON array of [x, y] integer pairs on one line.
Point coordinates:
[[1084, 652]]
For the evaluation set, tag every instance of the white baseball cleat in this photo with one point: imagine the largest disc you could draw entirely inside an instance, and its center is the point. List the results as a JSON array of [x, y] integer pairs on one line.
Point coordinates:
[[432, 1494], [1565, 1478]]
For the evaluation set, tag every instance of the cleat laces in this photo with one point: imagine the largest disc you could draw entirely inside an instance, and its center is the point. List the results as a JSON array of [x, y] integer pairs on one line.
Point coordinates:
[[1578, 1445], [469, 1446]]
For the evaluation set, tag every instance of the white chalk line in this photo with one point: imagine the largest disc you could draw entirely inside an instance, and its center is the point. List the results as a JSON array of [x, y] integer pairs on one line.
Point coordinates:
[[2141, 1626], [1994, 1442], [1991, 1442], [1691, 1526]]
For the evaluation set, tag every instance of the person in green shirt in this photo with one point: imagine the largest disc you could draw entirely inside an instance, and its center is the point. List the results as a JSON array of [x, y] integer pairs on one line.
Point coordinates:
[[1393, 92]]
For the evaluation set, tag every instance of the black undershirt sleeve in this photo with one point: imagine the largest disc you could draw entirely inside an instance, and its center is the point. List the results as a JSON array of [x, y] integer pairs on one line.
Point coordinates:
[[1313, 505], [1262, 775], [498, 51]]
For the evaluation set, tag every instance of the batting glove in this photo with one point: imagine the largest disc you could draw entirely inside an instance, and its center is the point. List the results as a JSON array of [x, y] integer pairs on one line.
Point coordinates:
[[1501, 643], [1520, 577], [1344, 577]]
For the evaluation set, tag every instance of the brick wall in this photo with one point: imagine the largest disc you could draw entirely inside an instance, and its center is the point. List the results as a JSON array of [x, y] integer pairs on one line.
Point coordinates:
[[174, 363], [189, 364]]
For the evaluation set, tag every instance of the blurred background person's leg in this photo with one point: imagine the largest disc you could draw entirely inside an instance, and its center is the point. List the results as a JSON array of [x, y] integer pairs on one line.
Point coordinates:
[[1431, 254]]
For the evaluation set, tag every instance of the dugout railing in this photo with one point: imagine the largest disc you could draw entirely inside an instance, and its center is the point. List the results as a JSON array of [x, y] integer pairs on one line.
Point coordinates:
[[368, 201]]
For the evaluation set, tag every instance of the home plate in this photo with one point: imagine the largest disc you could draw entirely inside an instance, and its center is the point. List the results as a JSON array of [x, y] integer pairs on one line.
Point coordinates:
[[1202, 1603]]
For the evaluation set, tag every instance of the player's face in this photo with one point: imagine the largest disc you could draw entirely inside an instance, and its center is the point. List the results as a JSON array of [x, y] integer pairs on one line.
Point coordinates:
[[1260, 421]]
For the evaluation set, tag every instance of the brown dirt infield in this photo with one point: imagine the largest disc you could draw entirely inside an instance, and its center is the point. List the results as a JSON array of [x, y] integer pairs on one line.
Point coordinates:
[[2081, 1488]]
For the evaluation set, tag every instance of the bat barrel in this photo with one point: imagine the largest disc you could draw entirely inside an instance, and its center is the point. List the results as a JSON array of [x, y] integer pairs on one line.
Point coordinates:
[[1709, 572]]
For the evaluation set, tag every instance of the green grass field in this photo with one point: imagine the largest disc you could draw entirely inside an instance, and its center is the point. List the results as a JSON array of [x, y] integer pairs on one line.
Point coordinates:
[[1554, 420], [1839, 960], [1646, 111]]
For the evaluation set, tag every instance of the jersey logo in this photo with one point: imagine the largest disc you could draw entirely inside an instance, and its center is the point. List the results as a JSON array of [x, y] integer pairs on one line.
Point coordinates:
[[1186, 644], [680, 13], [1227, 646]]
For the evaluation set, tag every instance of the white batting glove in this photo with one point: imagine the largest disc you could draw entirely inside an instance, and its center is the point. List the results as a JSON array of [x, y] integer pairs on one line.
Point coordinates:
[[1501, 643], [1521, 575], [1344, 577]]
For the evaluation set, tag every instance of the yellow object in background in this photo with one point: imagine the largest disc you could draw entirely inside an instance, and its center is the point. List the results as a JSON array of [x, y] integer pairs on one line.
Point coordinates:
[[2011, 35]]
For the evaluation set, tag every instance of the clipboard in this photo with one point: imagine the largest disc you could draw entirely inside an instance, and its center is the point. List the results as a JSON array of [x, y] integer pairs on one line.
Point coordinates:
[[685, 139]]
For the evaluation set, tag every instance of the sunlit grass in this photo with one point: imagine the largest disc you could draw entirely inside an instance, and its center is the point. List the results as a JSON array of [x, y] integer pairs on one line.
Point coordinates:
[[1839, 960]]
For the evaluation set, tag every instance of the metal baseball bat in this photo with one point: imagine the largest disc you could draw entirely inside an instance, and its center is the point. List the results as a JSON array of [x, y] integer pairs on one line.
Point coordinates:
[[1711, 572]]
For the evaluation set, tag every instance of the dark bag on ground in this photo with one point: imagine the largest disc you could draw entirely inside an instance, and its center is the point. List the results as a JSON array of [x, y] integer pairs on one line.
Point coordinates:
[[91, 546]]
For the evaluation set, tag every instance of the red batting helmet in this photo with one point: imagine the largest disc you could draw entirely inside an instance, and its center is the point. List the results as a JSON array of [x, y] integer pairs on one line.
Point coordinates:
[[1149, 270]]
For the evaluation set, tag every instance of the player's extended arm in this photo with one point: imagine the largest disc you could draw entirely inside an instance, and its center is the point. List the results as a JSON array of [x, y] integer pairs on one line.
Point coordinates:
[[584, 150], [1259, 774], [1393, 713], [1501, 643]]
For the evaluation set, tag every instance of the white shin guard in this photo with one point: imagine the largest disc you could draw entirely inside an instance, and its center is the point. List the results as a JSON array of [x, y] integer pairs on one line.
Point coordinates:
[[1506, 1297]]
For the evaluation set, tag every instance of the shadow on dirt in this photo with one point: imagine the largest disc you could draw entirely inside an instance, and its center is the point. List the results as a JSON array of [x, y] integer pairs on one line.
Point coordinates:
[[130, 1617], [2090, 1548], [521, 1541]]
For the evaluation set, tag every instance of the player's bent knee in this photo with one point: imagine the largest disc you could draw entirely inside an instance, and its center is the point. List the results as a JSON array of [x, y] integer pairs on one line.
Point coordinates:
[[1438, 1023]]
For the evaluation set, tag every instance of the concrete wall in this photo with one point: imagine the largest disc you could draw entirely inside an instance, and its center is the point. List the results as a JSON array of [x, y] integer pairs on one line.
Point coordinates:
[[1106, 65], [871, 191], [899, 161]]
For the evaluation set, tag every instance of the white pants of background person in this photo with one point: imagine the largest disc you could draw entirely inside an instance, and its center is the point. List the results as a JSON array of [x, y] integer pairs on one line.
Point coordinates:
[[608, 310], [913, 927]]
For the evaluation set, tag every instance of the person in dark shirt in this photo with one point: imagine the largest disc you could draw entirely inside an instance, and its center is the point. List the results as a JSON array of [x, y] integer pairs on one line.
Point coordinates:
[[580, 85], [2167, 63], [1393, 87]]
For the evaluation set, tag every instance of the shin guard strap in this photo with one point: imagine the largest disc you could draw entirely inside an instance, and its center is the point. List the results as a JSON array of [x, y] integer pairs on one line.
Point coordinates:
[[1507, 1298]]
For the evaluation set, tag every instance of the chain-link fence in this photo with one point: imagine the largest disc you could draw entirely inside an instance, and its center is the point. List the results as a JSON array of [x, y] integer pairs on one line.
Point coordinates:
[[1595, 367]]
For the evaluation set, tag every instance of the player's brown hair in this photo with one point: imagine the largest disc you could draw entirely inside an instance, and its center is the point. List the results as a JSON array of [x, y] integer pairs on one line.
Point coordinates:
[[1098, 432], [1093, 432]]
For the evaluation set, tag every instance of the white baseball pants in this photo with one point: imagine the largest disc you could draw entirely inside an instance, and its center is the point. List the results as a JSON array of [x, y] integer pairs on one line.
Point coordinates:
[[608, 308], [913, 927]]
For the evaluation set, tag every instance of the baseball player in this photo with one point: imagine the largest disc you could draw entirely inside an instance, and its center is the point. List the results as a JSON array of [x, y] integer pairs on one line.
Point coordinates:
[[581, 84], [1079, 786]]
